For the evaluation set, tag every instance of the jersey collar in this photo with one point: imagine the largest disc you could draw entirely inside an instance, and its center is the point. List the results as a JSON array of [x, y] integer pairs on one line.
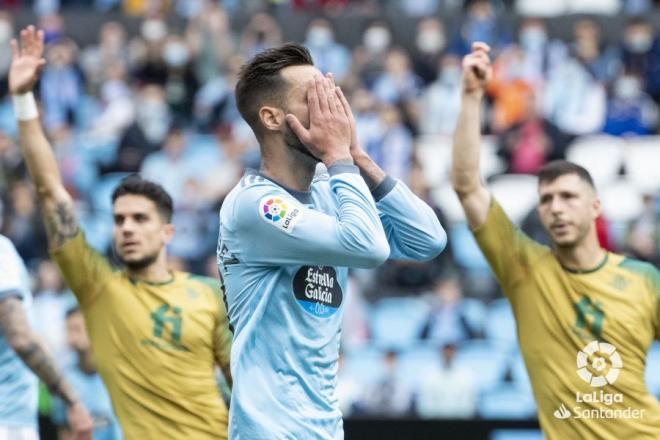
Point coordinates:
[[304, 197], [586, 271]]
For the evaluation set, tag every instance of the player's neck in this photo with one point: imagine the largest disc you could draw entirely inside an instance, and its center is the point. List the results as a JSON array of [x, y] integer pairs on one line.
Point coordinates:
[[156, 273], [290, 170], [585, 256]]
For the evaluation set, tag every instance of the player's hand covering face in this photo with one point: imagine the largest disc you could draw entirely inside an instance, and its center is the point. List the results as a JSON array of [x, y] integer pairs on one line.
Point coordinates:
[[27, 61], [329, 134], [477, 70]]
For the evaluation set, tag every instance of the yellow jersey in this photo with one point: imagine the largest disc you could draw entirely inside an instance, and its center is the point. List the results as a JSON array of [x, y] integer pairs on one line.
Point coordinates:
[[583, 335], [155, 345]]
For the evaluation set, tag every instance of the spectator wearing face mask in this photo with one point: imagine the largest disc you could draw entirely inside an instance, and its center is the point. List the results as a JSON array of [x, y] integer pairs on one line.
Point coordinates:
[[145, 134], [61, 85], [588, 47], [328, 55], [441, 100], [630, 111], [430, 43], [540, 53], [641, 54], [480, 24], [367, 63]]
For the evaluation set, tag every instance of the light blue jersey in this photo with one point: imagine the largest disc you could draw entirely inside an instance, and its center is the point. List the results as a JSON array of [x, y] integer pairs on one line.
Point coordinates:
[[95, 397], [284, 256], [18, 386]]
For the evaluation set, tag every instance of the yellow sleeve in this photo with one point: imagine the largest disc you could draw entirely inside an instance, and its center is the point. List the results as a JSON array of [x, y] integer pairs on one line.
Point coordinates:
[[84, 269], [223, 336], [509, 251]]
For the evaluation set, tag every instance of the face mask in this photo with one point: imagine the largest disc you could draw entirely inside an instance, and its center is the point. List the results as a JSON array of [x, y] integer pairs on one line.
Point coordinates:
[[319, 37], [639, 42], [627, 87], [175, 54], [6, 30], [377, 39], [430, 41], [153, 30], [533, 38]]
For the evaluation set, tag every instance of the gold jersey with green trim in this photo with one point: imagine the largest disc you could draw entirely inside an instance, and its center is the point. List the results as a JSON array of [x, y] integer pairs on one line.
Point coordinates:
[[583, 336], [155, 345]]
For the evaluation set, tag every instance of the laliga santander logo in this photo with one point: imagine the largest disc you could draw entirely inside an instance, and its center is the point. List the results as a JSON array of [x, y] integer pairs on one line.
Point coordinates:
[[599, 364], [274, 209]]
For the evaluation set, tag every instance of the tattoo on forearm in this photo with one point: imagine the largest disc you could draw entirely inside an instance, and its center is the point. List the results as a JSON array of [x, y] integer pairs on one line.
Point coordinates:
[[14, 325], [61, 223]]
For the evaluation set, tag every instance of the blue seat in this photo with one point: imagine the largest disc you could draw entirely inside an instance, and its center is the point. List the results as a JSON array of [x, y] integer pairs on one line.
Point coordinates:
[[364, 365], [98, 229], [396, 323], [486, 362], [475, 313], [465, 250], [101, 193], [507, 402], [519, 372], [415, 362], [653, 370], [516, 434], [500, 324]]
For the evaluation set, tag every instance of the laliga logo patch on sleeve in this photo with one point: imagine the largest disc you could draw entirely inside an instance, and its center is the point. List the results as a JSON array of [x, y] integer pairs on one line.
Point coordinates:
[[283, 213]]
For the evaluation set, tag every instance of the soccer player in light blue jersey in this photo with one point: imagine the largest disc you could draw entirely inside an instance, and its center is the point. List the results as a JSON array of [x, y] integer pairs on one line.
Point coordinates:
[[287, 239], [21, 350]]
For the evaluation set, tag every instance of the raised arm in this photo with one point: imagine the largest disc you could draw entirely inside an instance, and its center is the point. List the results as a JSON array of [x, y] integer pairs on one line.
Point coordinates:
[[465, 176], [30, 348], [56, 204]]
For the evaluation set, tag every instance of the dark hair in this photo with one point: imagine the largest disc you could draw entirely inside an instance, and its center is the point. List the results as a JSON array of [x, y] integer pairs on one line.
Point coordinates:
[[557, 168], [260, 82], [136, 185]]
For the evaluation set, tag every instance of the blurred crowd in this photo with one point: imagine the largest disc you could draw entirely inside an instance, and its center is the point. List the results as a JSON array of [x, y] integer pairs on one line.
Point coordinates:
[[159, 101]]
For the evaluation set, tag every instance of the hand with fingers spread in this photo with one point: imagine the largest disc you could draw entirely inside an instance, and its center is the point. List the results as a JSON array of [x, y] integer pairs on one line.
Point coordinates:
[[477, 70], [329, 134], [27, 61]]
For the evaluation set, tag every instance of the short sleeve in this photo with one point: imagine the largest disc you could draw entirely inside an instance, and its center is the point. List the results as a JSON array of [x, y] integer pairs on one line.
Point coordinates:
[[85, 270], [509, 251]]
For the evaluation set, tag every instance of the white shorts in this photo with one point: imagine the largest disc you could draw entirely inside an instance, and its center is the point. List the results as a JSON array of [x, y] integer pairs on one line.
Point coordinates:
[[18, 433]]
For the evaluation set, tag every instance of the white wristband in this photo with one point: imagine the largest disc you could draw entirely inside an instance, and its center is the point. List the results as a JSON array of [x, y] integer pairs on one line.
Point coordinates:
[[25, 107]]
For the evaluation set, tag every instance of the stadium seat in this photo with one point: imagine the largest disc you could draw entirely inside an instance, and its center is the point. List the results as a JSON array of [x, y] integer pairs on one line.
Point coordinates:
[[516, 434], [641, 161], [465, 250], [501, 325], [601, 155], [475, 313], [519, 372], [364, 365], [516, 193], [540, 8], [485, 361], [621, 201], [7, 119], [507, 402], [447, 200], [434, 154], [416, 361], [98, 229], [396, 323], [653, 370], [102, 192]]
